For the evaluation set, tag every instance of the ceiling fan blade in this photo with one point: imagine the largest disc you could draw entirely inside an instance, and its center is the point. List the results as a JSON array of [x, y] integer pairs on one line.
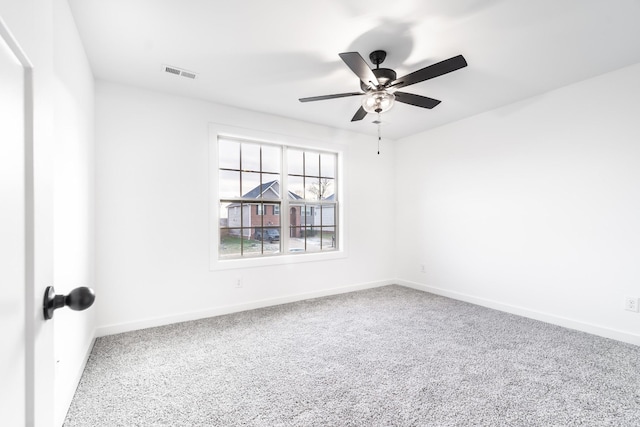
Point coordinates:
[[359, 66], [337, 95], [417, 100], [359, 114], [426, 73]]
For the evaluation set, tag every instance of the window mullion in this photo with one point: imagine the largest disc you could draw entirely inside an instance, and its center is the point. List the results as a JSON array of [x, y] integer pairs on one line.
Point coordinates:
[[262, 208], [285, 221]]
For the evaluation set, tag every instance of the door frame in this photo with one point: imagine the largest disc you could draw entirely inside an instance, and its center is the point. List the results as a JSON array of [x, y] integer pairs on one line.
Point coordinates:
[[37, 402]]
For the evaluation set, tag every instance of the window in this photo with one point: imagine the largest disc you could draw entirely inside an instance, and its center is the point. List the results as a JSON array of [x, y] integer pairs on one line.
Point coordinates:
[[311, 176], [257, 181]]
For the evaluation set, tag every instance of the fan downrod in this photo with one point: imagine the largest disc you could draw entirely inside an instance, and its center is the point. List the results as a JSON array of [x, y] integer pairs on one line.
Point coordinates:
[[377, 57], [384, 75]]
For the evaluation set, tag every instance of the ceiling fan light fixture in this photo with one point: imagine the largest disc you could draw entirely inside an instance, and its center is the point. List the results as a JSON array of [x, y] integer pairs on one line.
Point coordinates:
[[379, 85], [378, 101]]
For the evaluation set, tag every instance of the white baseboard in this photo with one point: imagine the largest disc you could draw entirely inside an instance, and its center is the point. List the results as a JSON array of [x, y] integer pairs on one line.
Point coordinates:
[[251, 305], [525, 312], [218, 311]]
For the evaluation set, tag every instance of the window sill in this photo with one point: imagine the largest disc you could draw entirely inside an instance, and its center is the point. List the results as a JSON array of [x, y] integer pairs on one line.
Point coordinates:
[[266, 261]]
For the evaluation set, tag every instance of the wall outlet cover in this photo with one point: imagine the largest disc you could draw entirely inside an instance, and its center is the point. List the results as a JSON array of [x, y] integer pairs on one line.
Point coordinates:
[[631, 304]]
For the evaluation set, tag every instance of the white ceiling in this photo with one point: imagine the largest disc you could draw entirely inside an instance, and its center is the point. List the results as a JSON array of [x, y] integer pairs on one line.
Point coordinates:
[[264, 55]]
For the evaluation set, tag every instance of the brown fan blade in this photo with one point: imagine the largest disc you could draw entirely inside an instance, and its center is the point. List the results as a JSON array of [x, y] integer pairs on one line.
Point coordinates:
[[426, 73], [359, 66], [417, 100], [337, 95], [359, 114]]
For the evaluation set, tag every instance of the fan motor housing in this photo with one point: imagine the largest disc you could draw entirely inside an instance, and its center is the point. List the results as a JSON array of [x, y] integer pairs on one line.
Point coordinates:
[[384, 75]]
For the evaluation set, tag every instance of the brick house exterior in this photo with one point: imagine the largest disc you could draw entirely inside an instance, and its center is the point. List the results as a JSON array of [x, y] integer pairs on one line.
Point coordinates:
[[255, 216]]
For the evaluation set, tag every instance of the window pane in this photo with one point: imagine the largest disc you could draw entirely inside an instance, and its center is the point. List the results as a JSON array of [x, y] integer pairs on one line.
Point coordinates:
[[271, 248], [312, 235], [296, 240], [223, 213], [328, 189], [252, 248], [295, 216], [311, 164], [271, 215], [270, 159], [229, 154], [229, 184], [312, 218], [306, 215], [296, 186], [268, 238], [271, 186], [234, 215], [328, 238], [319, 188], [313, 188], [294, 160], [250, 157], [251, 185], [328, 165], [328, 213], [230, 243]]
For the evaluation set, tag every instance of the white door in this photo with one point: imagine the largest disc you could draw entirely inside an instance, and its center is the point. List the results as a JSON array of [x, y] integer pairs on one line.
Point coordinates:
[[25, 355], [12, 238]]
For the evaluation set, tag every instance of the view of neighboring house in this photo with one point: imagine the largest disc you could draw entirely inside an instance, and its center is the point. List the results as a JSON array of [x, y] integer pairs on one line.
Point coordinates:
[[326, 215], [246, 218]]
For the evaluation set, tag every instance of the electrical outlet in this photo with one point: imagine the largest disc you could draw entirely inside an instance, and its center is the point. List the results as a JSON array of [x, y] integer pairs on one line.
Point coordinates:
[[631, 304], [239, 282]]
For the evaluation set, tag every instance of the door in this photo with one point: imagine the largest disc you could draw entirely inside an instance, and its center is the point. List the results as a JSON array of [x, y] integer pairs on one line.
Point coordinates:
[[12, 238], [26, 353]]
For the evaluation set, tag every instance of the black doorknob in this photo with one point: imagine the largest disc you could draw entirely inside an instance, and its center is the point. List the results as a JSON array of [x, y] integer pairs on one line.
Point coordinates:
[[78, 299]]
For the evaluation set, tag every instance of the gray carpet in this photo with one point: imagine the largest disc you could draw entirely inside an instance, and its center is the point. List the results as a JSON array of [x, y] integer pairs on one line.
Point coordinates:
[[389, 356]]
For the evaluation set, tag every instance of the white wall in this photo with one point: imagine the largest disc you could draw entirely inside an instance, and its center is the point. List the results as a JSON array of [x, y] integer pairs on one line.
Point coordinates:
[[73, 204], [152, 207], [532, 208]]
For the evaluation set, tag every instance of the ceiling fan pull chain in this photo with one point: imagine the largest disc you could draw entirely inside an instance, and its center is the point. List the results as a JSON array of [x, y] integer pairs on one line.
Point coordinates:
[[379, 122]]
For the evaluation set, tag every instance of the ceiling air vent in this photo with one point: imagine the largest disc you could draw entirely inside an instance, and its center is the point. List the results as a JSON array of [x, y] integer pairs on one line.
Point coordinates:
[[188, 74], [179, 71]]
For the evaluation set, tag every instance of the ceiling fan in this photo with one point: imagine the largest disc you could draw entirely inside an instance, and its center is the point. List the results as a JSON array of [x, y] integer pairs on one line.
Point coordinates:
[[379, 85]]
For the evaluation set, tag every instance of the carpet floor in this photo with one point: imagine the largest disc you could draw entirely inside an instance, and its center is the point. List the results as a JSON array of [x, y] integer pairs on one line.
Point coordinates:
[[389, 356]]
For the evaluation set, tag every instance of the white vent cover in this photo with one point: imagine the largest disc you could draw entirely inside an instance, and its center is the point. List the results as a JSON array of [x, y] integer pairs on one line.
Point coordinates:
[[179, 71]]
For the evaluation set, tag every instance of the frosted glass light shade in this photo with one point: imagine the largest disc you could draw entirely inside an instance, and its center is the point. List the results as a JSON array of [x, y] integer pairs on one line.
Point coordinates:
[[378, 101]]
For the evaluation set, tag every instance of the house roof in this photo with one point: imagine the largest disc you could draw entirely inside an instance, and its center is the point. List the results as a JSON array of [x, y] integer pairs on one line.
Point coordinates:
[[274, 186], [261, 189]]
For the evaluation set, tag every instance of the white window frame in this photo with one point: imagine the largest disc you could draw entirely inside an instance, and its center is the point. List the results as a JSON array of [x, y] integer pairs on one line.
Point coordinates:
[[219, 130]]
